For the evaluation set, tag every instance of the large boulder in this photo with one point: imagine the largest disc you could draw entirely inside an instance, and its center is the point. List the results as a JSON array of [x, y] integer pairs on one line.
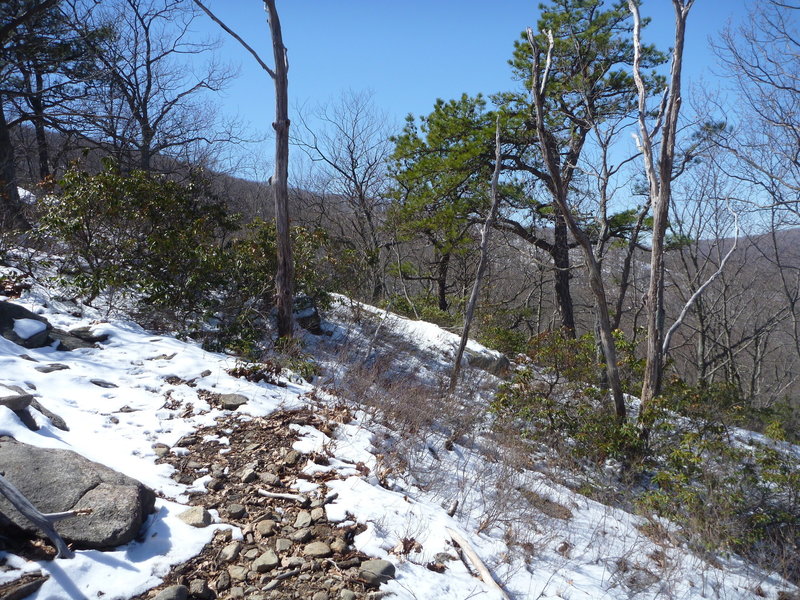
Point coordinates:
[[493, 362], [61, 480], [24, 327]]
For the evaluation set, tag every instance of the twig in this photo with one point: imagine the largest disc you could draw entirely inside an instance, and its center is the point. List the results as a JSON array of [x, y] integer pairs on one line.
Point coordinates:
[[483, 571], [295, 497]]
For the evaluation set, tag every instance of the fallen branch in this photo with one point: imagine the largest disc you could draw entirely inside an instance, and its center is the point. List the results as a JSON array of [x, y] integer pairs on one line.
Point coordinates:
[[483, 571], [295, 497], [42, 521]]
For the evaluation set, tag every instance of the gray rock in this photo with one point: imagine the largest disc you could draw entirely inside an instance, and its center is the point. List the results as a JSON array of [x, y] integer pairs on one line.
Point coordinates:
[[196, 516], [317, 514], [51, 368], [491, 362], [68, 342], [307, 315], [85, 334], [223, 581], [232, 401], [283, 545], [347, 595], [320, 596], [303, 519], [57, 421], [236, 511], [317, 550], [103, 383], [198, 588], [302, 535], [230, 552], [248, 474], [173, 592], [236, 592], [160, 449], [291, 457], [238, 572], [376, 571], [338, 545], [266, 527], [10, 312], [270, 479], [14, 397], [61, 480], [266, 562]]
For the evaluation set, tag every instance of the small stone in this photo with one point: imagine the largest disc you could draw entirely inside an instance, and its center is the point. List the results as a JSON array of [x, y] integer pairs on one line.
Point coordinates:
[[236, 592], [339, 545], [270, 479], [205, 373], [223, 581], [194, 464], [266, 527], [251, 554], [303, 519], [283, 545], [347, 595], [215, 484], [292, 562], [248, 474], [443, 557], [302, 536], [376, 571], [236, 511], [317, 550], [238, 572], [173, 592], [317, 514], [161, 450], [52, 367], [199, 589], [230, 552], [232, 401], [291, 457], [102, 383], [320, 596], [266, 562], [196, 516]]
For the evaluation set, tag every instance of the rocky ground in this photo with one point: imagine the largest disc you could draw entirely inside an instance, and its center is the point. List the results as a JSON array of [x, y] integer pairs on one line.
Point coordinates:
[[288, 547]]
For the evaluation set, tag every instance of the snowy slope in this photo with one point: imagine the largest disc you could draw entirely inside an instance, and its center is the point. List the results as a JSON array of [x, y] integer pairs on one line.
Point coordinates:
[[562, 545]]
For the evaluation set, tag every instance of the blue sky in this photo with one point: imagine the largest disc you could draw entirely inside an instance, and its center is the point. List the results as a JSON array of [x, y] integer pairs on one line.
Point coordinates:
[[408, 53]]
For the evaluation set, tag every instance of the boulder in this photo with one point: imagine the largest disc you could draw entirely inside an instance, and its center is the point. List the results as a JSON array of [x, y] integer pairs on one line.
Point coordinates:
[[14, 397], [307, 315], [494, 363], [376, 571], [23, 327], [61, 480]]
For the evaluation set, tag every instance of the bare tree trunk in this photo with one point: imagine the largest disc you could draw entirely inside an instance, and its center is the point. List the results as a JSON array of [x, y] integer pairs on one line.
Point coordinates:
[[11, 216], [482, 263], [659, 176], [284, 278], [562, 274]]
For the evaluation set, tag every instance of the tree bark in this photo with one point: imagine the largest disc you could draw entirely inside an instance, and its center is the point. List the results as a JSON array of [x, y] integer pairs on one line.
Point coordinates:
[[11, 215], [560, 253], [284, 278]]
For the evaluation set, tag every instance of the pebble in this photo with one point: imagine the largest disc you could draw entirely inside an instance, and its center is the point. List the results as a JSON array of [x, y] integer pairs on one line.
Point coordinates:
[[236, 511], [251, 554], [161, 450], [318, 550], [232, 401], [302, 535], [196, 516], [173, 592], [199, 589], [376, 571], [265, 562], [339, 545], [230, 552], [223, 581], [303, 519], [270, 479], [283, 545], [266, 527], [347, 595], [248, 474], [237, 572], [318, 514], [236, 592], [320, 596], [291, 457]]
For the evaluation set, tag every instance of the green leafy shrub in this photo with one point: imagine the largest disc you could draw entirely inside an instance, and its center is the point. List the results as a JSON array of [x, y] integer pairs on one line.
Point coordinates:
[[141, 233]]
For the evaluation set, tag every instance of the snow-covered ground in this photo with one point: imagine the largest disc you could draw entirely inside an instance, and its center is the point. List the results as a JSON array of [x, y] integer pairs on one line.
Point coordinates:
[[560, 545]]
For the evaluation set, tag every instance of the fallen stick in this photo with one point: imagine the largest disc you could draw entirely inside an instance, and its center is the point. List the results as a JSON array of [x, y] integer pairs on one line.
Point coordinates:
[[295, 497], [42, 521], [480, 567]]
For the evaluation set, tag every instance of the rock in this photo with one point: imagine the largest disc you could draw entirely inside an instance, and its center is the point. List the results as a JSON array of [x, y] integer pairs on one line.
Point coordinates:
[[17, 325], [302, 535], [68, 342], [61, 480], [266, 527], [85, 334], [238, 572], [317, 514], [223, 581], [57, 421], [23, 587], [205, 373], [236, 511], [173, 592], [339, 545], [196, 516], [266, 562], [347, 595], [160, 449], [236, 592], [232, 401], [198, 588], [291, 458], [320, 596], [270, 479], [493, 362], [376, 571], [103, 384], [303, 519], [51, 368], [230, 552], [306, 314], [317, 550], [14, 397], [248, 474], [283, 545]]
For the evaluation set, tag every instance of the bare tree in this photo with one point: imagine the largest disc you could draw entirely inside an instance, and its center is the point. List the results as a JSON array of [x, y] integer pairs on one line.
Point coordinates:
[[659, 171], [348, 144]]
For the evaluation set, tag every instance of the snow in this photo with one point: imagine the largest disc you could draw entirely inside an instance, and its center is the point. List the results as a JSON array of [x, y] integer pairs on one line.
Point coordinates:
[[27, 328], [605, 547]]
